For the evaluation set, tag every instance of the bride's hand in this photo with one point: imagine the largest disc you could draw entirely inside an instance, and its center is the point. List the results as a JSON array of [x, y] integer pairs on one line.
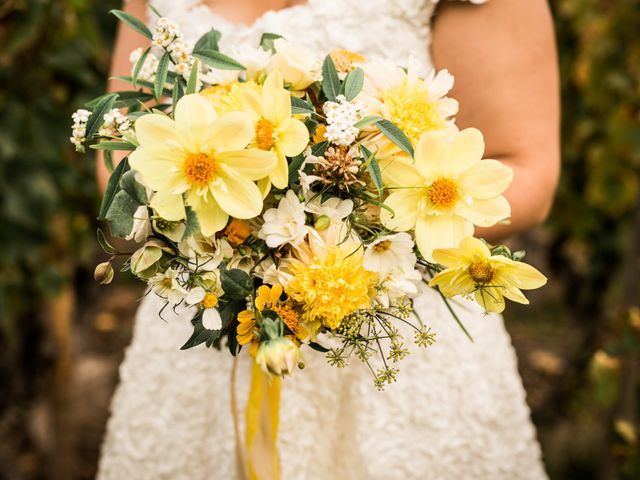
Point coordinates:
[[503, 57]]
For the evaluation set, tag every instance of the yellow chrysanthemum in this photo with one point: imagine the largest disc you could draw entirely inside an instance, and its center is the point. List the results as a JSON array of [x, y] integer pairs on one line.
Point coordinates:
[[274, 127], [446, 190], [247, 331], [204, 158], [491, 278], [332, 287]]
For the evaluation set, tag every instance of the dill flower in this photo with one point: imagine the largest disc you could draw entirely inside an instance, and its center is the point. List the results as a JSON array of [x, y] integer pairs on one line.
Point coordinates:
[[472, 268]]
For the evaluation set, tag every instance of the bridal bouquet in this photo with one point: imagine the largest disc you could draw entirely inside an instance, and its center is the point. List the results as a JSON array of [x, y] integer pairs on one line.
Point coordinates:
[[283, 200]]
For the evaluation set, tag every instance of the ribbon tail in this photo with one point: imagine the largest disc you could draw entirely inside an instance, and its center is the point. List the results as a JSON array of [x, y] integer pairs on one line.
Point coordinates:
[[262, 418]]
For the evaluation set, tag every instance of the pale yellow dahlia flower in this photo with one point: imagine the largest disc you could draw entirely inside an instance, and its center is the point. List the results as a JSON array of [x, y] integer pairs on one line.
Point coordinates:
[[201, 157], [275, 130], [491, 278], [446, 190], [298, 65], [414, 104]]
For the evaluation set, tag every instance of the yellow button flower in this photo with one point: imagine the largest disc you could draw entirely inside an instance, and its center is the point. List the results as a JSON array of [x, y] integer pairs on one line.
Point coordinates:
[[446, 190], [491, 278], [204, 158]]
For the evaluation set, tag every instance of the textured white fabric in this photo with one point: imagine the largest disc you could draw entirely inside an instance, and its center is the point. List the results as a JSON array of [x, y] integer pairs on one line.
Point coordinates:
[[457, 412]]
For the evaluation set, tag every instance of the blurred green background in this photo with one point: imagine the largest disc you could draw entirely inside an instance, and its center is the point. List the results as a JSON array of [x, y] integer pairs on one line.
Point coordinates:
[[62, 337]]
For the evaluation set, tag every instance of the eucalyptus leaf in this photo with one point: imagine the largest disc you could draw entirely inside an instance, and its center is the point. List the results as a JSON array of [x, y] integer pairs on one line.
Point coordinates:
[[161, 75], [219, 60], [330, 79], [133, 22], [208, 41], [120, 214], [129, 184], [96, 119], [353, 83], [113, 187], [300, 106], [397, 136]]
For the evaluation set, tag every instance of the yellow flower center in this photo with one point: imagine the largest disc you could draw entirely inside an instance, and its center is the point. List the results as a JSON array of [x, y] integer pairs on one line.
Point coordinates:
[[382, 246], [481, 272], [332, 288], [443, 193], [210, 300], [200, 168], [345, 60], [264, 134], [411, 109], [288, 315]]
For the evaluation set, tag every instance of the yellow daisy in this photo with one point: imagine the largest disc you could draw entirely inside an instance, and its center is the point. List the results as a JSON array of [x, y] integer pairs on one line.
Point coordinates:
[[203, 158], [446, 190], [491, 278]]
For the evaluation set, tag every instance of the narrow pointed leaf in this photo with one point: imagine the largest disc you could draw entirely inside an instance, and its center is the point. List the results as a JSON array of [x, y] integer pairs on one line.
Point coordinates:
[[133, 22]]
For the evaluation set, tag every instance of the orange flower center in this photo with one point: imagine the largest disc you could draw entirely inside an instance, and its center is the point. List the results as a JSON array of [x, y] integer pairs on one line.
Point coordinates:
[[264, 134], [345, 60], [481, 272], [237, 232], [200, 168], [210, 300], [382, 246], [288, 315], [443, 193]]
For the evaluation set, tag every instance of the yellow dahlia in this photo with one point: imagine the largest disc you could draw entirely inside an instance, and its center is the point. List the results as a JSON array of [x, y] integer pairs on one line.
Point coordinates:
[[229, 98], [415, 105], [275, 129], [491, 278], [446, 190], [201, 159]]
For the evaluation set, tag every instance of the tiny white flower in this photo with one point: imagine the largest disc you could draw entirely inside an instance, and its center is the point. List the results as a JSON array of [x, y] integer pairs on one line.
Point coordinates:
[[397, 286], [208, 301], [390, 252], [334, 208], [285, 224], [341, 117], [167, 285]]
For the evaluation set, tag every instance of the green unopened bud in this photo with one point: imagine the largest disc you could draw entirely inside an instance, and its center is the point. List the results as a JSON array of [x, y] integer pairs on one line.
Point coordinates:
[[103, 273], [322, 223]]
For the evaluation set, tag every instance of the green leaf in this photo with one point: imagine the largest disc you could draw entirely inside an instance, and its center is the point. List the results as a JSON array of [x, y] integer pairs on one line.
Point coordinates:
[[154, 10], [96, 119], [373, 168], [318, 149], [353, 83], [138, 66], [294, 168], [318, 348], [133, 22], [267, 41], [218, 60], [161, 75], [192, 84], [104, 243], [166, 92], [120, 214], [397, 136], [178, 91], [237, 284], [136, 191], [107, 156], [200, 334], [300, 106], [113, 187], [330, 79], [366, 121], [208, 41], [192, 224], [124, 146]]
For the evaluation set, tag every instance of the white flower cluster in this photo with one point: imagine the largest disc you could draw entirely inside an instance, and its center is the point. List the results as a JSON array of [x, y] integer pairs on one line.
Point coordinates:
[[114, 122], [148, 70], [165, 32], [79, 128], [180, 51], [341, 117]]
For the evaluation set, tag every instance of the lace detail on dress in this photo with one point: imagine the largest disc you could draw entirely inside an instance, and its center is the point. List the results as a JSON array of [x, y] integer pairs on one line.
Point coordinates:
[[457, 411]]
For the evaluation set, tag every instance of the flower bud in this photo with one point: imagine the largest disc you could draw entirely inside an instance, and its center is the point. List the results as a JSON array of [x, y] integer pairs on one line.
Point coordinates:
[[103, 273], [278, 356], [322, 223]]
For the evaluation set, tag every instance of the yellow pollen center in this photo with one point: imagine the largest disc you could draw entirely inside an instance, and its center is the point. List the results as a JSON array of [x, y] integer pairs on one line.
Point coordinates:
[[382, 246], [199, 168], [210, 300], [412, 110], [443, 193], [345, 60], [288, 316], [264, 134], [481, 272]]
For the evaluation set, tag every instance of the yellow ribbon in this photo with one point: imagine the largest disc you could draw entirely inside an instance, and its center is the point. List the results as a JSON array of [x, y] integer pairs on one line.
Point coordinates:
[[262, 416]]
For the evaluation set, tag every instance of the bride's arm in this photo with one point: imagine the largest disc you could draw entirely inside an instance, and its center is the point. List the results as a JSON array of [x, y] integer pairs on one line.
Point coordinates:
[[502, 55], [127, 40]]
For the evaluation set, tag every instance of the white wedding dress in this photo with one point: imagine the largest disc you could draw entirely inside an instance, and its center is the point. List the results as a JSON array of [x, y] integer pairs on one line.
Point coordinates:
[[457, 411]]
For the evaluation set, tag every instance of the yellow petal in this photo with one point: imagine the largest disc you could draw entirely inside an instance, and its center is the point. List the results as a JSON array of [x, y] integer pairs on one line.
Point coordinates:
[[154, 129], [432, 154], [157, 174], [404, 204], [490, 299], [399, 172], [194, 111], [211, 217], [246, 316], [465, 150], [486, 179], [264, 184], [521, 275], [251, 163], [238, 197], [484, 213], [169, 206], [515, 295], [294, 138], [440, 231], [274, 294], [280, 174], [450, 257], [232, 131]]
